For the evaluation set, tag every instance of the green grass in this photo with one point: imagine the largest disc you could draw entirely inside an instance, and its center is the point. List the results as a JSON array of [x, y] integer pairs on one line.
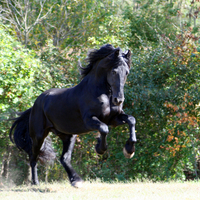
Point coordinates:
[[101, 191]]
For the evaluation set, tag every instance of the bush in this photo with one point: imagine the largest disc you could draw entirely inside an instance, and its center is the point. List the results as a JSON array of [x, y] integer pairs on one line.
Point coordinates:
[[22, 79]]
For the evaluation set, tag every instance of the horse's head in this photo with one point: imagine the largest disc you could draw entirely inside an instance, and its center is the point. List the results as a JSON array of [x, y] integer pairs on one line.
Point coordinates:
[[111, 65], [117, 74]]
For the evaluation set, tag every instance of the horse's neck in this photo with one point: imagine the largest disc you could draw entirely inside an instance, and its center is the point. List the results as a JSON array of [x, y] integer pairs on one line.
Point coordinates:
[[96, 84]]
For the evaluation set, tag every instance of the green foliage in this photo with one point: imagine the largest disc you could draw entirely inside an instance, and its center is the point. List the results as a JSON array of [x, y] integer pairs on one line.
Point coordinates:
[[150, 21], [22, 76], [82, 22], [22, 79], [161, 77], [62, 65]]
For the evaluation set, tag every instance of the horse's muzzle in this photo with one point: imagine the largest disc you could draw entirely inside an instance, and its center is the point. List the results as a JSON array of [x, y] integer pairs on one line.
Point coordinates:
[[117, 101]]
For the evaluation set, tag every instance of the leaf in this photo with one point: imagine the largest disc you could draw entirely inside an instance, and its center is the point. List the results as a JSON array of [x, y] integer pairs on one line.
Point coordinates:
[[1, 91]]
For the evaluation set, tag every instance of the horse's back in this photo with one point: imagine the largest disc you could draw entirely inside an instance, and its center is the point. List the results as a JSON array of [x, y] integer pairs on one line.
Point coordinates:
[[60, 108]]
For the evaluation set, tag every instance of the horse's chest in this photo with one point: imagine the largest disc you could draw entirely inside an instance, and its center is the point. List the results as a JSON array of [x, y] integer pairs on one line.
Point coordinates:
[[107, 110], [104, 104]]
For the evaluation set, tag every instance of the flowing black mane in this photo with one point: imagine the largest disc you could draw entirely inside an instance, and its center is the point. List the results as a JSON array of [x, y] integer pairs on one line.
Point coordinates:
[[94, 56]]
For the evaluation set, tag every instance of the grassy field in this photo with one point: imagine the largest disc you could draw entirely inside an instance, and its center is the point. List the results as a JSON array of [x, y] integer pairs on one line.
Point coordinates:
[[102, 191]]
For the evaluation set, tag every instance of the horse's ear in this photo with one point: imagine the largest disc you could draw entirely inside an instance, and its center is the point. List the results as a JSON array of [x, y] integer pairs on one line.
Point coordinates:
[[128, 55]]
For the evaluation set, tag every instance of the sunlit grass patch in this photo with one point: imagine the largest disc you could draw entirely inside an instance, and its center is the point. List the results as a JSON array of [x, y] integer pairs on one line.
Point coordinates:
[[100, 190]]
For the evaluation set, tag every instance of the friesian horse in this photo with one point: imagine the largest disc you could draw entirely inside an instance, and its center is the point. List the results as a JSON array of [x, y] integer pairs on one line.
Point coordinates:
[[92, 105]]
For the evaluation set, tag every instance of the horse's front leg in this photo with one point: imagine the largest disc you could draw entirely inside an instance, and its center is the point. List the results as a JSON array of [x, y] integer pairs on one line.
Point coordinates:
[[129, 149], [94, 123], [101, 145]]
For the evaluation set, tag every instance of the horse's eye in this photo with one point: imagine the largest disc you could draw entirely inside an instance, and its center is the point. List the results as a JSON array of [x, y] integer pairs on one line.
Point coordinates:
[[127, 73], [114, 72]]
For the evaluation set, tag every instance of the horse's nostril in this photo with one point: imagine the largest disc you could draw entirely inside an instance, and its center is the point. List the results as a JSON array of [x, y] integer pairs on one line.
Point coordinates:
[[117, 101], [120, 102]]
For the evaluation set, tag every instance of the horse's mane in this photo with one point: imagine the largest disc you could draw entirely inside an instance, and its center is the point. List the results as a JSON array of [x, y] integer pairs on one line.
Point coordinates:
[[95, 55]]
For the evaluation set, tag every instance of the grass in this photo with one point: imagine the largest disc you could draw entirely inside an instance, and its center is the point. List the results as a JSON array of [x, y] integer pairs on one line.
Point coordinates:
[[104, 191]]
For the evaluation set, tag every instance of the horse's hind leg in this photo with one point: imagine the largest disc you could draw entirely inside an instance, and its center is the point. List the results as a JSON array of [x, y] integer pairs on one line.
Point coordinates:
[[38, 134], [68, 145], [37, 144]]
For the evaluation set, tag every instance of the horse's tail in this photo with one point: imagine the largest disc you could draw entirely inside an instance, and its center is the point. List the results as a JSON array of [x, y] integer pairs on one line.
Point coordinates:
[[21, 137], [23, 141]]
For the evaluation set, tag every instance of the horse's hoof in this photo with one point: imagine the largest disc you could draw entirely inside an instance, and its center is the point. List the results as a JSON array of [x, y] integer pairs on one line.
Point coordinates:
[[100, 153], [126, 154], [97, 151], [77, 184]]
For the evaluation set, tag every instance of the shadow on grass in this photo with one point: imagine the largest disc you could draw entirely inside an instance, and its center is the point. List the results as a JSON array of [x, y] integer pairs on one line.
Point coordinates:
[[28, 189]]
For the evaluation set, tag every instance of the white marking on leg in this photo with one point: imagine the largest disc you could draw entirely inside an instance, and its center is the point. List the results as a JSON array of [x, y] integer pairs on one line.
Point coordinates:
[[78, 184]]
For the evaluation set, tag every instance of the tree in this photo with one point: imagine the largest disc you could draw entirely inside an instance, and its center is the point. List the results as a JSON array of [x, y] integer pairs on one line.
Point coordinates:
[[163, 94], [151, 19], [24, 16]]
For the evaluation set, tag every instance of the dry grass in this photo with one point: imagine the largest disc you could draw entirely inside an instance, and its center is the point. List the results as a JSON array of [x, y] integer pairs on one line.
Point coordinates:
[[103, 191]]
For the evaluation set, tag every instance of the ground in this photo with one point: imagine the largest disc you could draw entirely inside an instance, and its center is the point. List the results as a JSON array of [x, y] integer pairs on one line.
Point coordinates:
[[103, 191]]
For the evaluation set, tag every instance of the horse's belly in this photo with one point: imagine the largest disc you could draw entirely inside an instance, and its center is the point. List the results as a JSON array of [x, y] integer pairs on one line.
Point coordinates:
[[69, 124], [71, 128]]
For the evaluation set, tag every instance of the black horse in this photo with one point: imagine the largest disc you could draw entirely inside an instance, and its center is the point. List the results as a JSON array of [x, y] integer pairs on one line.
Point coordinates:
[[94, 104]]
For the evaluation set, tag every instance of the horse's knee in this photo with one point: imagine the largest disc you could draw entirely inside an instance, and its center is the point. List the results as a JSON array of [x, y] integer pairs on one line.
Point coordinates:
[[132, 120], [103, 129], [65, 160], [33, 163]]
